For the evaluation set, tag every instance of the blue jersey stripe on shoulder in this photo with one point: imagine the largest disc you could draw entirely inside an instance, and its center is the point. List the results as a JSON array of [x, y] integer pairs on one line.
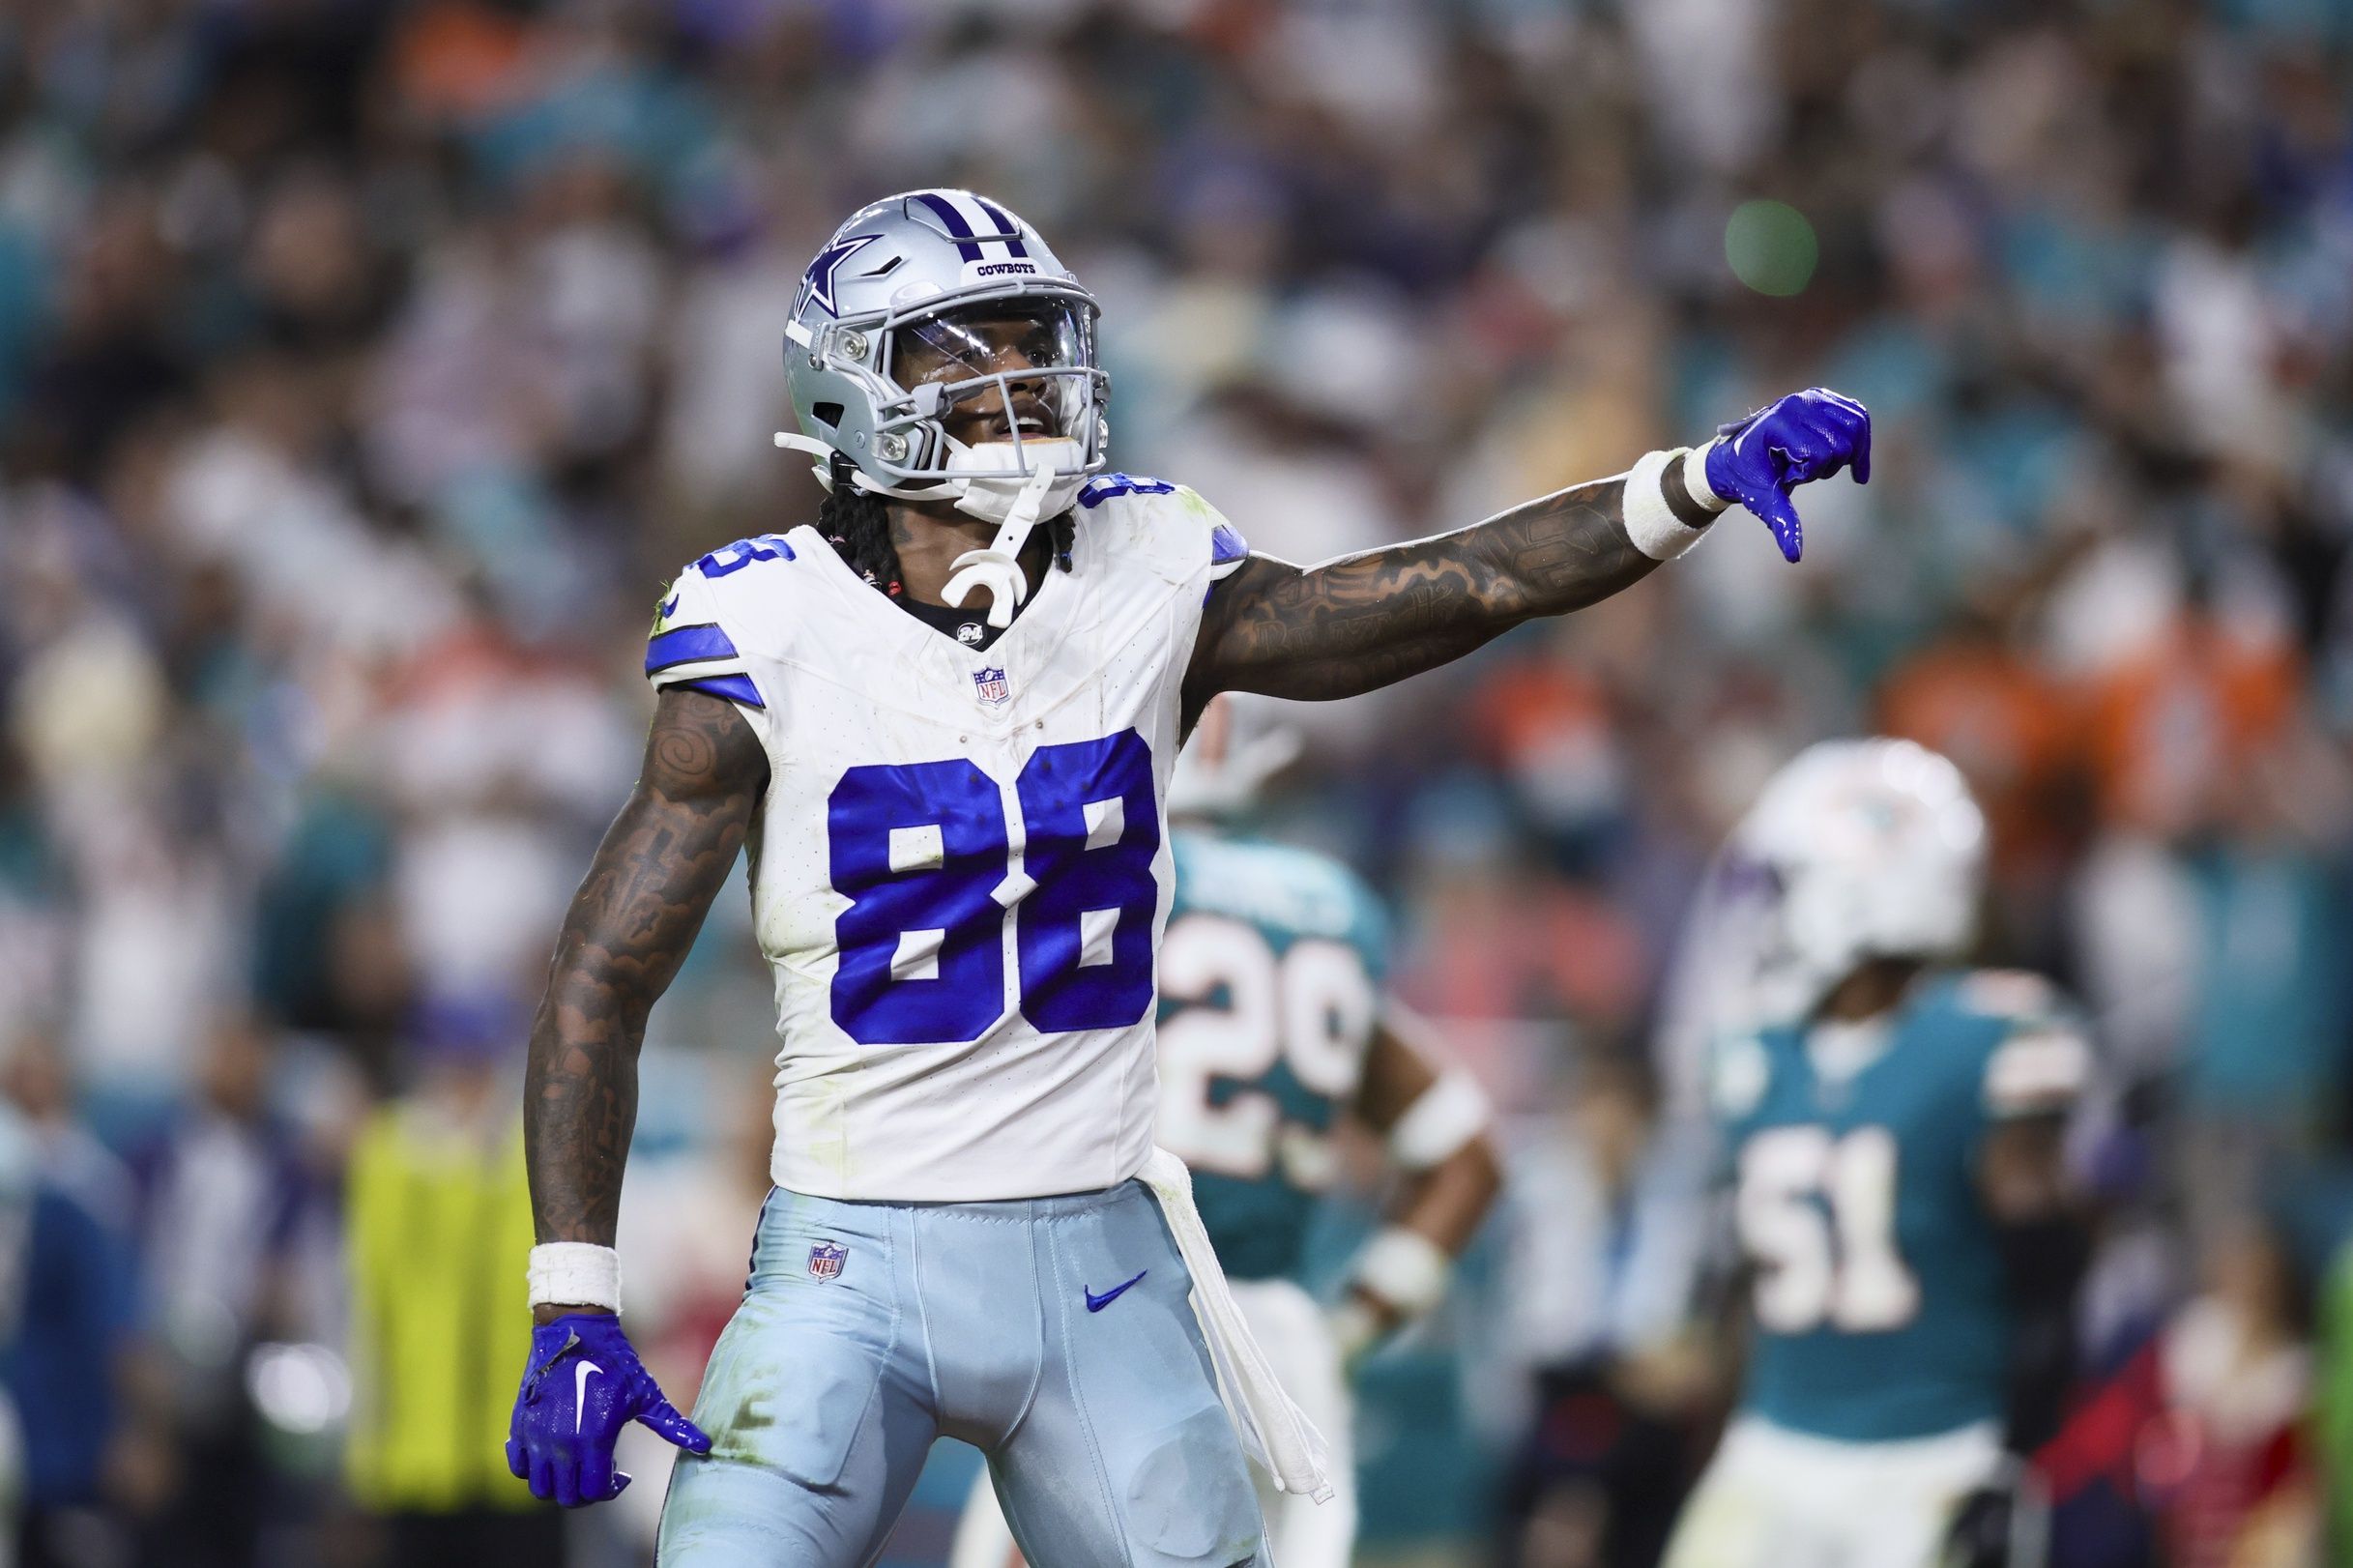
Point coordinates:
[[1110, 486], [1226, 545], [687, 645], [729, 559], [736, 688]]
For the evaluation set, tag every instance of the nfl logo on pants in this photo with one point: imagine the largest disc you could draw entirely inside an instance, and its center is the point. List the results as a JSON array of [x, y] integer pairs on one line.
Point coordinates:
[[825, 1260]]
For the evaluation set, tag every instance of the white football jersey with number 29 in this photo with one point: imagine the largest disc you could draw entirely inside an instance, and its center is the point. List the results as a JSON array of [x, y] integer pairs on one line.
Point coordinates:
[[960, 869]]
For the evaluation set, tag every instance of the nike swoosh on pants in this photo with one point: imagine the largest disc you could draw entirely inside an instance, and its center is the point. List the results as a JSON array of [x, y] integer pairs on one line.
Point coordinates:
[[1097, 1303]]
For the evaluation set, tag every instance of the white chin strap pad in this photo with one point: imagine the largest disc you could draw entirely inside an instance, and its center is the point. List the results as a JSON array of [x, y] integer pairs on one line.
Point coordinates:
[[998, 567], [1015, 502], [1020, 503]]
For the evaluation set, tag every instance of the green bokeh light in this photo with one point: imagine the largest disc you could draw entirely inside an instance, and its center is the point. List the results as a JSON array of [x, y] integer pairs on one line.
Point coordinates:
[[1771, 247]]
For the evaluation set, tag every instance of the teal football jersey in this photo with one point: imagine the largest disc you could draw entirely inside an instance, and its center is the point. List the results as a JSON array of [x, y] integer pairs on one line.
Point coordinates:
[[1879, 1297], [1270, 978]]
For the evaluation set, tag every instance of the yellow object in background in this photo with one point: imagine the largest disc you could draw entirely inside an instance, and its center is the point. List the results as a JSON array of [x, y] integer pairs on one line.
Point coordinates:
[[439, 1225]]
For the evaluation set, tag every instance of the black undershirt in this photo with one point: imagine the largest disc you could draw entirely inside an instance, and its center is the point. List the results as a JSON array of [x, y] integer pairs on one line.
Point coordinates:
[[968, 626]]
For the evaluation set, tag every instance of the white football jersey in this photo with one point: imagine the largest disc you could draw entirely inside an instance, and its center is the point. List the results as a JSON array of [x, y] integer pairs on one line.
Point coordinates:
[[961, 867]]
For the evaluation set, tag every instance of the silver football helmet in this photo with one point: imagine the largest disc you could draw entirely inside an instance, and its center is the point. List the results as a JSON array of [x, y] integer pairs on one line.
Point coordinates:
[[934, 298]]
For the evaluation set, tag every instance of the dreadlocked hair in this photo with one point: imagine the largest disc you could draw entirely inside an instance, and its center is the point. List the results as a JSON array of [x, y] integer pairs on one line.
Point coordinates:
[[856, 523]]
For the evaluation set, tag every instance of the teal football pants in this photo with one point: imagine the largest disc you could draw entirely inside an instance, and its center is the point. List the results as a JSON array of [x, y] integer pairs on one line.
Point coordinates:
[[870, 1329]]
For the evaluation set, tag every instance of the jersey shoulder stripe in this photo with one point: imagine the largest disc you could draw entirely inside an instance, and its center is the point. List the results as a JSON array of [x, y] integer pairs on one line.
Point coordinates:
[[1111, 486], [1227, 547], [2039, 1061], [697, 644], [2016, 995], [717, 614]]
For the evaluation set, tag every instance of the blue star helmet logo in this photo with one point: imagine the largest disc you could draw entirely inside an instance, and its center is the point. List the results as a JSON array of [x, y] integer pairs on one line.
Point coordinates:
[[817, 284]]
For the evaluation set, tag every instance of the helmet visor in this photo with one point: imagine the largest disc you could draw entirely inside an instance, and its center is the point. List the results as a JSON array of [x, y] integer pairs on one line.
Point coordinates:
[[987, 351], [994, 337]]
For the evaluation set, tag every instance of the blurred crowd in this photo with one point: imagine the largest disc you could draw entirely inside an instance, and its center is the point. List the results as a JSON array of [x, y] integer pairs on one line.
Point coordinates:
[[368, 367]]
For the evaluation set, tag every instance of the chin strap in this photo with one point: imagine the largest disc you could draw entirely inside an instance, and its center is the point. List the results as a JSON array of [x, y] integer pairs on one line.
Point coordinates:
[[1019, 502], [786, 441], [998, 567], [823, 468]]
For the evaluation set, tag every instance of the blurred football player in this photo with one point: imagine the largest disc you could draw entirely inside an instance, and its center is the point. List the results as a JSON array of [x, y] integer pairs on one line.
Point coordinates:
[[1272, 1031], [943, 718], [1898, 1188]]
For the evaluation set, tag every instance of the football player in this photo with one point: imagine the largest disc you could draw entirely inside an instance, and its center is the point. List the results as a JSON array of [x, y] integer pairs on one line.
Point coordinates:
[[1272, 1031], [943, 716], [1899, 1190]]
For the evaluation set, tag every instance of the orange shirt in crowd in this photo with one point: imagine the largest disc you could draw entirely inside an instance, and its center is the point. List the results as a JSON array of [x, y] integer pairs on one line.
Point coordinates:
[[2169, 730], [2005, 724]]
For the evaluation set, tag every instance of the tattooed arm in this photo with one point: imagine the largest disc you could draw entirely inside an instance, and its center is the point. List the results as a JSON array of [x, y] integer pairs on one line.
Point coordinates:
[[1366, 621], [630, 925], [1370, 619]]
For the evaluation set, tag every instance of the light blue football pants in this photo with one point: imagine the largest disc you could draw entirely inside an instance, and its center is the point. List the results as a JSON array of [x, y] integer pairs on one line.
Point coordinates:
[[1001, 1323]]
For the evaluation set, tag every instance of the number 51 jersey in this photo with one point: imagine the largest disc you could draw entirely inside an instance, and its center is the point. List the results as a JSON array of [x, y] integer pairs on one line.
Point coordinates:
[[1879, 1305], [959, 870]]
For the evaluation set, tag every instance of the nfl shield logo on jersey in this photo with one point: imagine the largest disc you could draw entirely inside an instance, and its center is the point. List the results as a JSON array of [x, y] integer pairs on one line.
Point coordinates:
[[825, 1260], [993, 687]]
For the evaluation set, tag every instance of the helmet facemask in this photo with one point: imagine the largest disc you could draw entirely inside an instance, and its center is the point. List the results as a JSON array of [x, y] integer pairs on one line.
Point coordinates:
[[1028, 365], [921, 366], [1016, 368]]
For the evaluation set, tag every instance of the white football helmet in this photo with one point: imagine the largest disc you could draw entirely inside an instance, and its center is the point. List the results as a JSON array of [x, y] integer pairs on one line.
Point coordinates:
[[1859, 849], [1241, 743]]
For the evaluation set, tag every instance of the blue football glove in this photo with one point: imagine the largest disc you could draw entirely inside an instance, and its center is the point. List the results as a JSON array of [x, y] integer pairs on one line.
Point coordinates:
[[1805, 436], [583, 1384]]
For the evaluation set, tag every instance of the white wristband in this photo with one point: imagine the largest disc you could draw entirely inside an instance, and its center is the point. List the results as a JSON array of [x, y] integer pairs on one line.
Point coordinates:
[[1447, 1115], [1406, 1269], [1656, 531], [576, 1274], [1695, 478]]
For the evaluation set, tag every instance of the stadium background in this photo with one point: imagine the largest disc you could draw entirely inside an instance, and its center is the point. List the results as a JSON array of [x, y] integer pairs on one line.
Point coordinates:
[[366, 370]]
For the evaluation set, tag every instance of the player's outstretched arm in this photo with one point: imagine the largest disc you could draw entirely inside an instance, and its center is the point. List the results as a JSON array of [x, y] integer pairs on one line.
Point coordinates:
[[1365, 620], [629, 926], [631, 922]]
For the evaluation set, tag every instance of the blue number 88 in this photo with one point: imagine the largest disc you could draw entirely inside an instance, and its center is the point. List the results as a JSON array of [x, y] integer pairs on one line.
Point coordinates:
[[922, 850]]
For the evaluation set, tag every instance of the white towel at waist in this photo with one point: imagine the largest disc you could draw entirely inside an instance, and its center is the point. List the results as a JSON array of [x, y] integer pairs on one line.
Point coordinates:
[[1275, 1432]]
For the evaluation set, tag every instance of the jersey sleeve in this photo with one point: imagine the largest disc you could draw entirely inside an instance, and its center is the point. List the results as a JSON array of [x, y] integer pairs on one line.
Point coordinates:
[[1227, 549], [1169, 521], [2042, 1062], [693, 648]]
